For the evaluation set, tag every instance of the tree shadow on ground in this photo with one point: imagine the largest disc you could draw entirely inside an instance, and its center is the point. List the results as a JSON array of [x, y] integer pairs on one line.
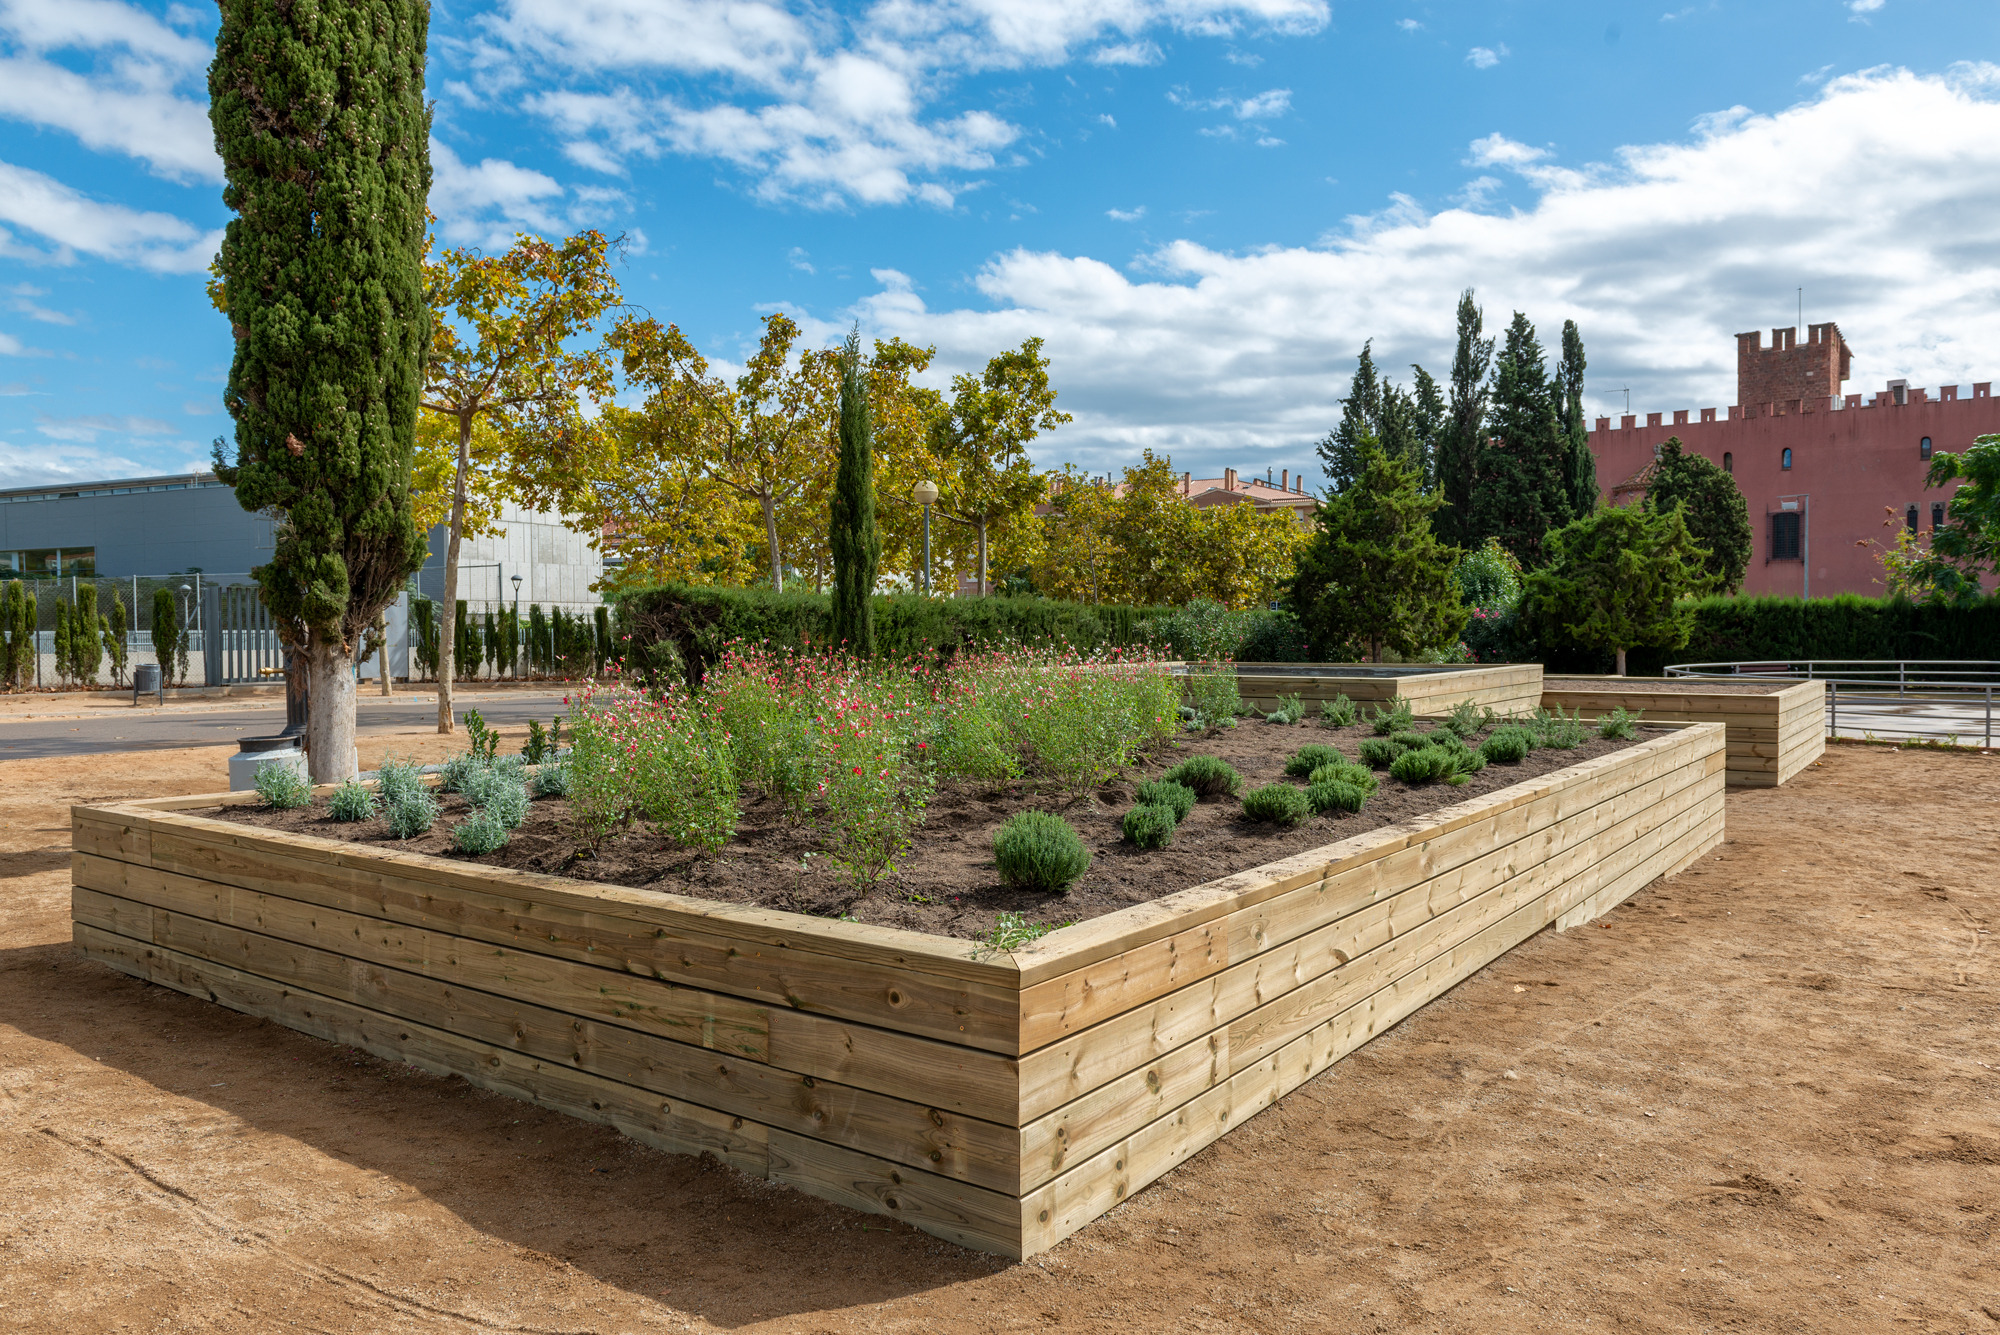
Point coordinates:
[[693, 1233]]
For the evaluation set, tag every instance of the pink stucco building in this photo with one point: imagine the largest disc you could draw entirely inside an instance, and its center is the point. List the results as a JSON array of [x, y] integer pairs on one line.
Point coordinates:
[[1820, 470]]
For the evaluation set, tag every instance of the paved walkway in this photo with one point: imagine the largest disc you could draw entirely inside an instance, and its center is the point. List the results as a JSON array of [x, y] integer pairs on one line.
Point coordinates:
[[157, 729]]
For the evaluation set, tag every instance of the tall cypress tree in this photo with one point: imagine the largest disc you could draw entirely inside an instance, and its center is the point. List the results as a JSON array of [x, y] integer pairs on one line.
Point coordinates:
[[1360, 417], [1579, 467], [1465, 424], [1519, 493], [1429, 417], [320, 120], [857, 547]]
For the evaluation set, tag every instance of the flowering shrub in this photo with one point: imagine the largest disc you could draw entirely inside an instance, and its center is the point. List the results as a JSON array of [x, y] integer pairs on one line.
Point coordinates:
[[668, 760]]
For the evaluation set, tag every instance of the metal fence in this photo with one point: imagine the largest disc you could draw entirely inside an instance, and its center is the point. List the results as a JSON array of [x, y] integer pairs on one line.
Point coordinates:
[[1940, 700], [137, 596]]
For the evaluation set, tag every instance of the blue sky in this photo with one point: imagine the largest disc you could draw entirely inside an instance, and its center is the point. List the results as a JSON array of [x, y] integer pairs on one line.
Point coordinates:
[[1203, 206]]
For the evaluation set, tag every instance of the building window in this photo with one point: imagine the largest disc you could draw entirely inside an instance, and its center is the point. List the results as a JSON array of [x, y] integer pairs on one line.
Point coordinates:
[[1910, 519], [1785, 460], [1728, 462], [1924, 448], [1937, 514], [1785, 535]]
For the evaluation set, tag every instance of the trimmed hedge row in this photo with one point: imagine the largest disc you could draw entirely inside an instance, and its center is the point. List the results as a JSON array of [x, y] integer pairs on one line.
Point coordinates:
[[1755, 629], [681, 628]]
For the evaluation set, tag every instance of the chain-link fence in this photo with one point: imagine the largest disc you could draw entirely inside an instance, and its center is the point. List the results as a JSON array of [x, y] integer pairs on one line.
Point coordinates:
[[51, 626]]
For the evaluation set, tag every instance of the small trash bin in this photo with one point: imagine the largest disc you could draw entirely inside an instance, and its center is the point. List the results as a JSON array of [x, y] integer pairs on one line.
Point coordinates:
[[146, 681]]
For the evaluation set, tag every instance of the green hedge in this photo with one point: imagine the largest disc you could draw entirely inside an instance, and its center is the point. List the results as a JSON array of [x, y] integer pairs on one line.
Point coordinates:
[[1845, 626], [682, 628]]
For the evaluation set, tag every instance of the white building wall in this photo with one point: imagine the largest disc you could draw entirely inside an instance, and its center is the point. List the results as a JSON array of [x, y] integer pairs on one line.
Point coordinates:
[[557, 566]]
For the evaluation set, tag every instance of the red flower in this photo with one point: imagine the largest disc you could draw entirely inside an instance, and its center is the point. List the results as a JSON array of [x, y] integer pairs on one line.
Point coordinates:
[[857, 769]]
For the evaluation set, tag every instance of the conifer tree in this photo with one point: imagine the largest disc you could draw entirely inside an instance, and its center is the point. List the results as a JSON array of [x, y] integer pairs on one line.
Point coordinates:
[[1519, 493], [1360, 416], [61, 640], [86, 636], [166, 633], [1429, 418], [1465, 423], [857, 549], [1618, 579], [1717, 516], [1373, 571], [1579, 467], [16, 637], [116, 622], [322, 128]]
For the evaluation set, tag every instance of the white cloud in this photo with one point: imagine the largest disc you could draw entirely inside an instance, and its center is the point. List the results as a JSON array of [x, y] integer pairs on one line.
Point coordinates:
[[1409, 25], [487, 202], [23, 301], [85, 429], [801, 260], [1124, 215], [14, 347], [43, 464], [128, 101], [1265, 106], [1860, 7], [1104, 118], [814, 106], [1128, 53], [73, 222], [1881, 195], [1497, 150], [1485, 57]]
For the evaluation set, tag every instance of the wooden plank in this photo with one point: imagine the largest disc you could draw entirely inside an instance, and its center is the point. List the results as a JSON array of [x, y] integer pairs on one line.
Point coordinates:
[[1117, 1108], [671, 1125], [1086, 943], [605, 931], [109, 834], [684, 1014], [767, 928], [988, 1221], [979, 1084], [1706, 835], [1054, 1075], [943, 1142], [1077, 1000], [1059, 1208]]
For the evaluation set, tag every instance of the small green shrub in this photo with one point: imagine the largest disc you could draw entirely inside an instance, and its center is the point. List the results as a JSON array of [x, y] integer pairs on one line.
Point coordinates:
[[482, 740], [1150, 826], [1393, 719], [1309, 758], [1344, 771], [1038, 851], [351, 801], [1381, 752], [1279, 803], [1564, 732], [1213, 695], [1011, 931], [500, 791], [1336, 795], [1338, 712], [1508, 745], [412, 814], [281, 786], [1467, 718], [552, 779], [543, 743], [1424, 764], [1207, 776], [454, 772], [1289, 710], [398, 779], [1175, 797], [1618, 726], [1410, 737], [484, 832]]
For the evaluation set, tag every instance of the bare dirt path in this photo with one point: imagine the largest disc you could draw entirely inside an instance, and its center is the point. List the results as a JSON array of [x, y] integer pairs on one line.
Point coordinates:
[[1761, 1097]]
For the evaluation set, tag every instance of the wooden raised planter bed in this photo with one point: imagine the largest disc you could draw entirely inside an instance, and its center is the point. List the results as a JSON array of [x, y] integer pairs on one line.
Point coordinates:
[[1774, 732], [1505, 688], [1001, 1101]]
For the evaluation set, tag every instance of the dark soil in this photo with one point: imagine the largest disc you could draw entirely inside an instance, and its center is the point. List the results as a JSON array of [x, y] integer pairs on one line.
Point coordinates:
[[1675, 685], [946, 883]]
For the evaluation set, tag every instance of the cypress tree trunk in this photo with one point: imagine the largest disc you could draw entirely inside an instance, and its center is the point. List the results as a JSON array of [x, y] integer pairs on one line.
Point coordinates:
[[321, 124], [857, 548]]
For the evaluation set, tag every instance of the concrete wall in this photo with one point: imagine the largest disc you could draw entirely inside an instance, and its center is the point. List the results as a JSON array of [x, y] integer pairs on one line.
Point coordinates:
[[556, 566], [144, 532], [1853, 461]]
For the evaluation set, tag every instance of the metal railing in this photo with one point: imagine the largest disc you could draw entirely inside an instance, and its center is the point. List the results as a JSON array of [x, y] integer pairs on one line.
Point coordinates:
[[1935, 699]]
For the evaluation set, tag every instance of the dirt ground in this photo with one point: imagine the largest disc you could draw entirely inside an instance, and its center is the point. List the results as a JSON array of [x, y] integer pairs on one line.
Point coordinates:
[[1761, 1097]]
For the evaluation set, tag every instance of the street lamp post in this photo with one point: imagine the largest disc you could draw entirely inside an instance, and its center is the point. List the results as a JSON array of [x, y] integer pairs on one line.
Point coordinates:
[[514, 649], [926, 494]]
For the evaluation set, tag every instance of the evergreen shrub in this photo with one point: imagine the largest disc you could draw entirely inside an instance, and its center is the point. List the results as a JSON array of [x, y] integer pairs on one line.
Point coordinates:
[[411, 813], [1381, 752], [1508, 745], [1309, 758], [1150, 826], [486, 831], [1175, 797], [1038, 851], [1618, 726], [1335, 795], [351, 801], [1394, 717], [1277, 803], [1207, 776], [282, 787], [1338, 712]]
